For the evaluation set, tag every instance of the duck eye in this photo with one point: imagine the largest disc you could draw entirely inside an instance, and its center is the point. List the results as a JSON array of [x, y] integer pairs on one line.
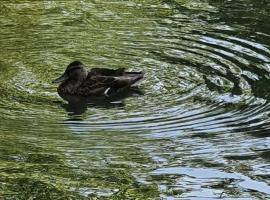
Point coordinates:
[[70, 71]]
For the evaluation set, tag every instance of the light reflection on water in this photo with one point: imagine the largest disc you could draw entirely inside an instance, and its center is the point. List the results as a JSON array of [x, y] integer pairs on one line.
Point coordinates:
[[199, 128], [212, 175]]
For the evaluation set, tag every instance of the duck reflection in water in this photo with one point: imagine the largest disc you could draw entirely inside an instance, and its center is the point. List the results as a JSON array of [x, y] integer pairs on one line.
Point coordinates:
[[77, 105], [100, 87]]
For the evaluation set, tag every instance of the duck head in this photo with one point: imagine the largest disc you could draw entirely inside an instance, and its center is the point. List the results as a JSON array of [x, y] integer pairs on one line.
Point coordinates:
[[75, 73]]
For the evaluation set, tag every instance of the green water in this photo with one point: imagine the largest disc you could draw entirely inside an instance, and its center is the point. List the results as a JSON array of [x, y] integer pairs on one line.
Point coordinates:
[[199, 131]]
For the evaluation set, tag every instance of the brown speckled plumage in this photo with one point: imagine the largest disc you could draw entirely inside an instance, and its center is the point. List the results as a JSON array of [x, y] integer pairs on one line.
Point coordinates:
[[97, 82]]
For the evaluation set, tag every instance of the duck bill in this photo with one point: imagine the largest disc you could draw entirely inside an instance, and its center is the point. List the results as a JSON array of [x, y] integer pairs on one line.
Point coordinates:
[[61, 79]]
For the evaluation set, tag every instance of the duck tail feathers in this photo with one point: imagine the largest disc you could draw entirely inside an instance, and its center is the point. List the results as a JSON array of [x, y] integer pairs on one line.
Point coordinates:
[[138, 80]]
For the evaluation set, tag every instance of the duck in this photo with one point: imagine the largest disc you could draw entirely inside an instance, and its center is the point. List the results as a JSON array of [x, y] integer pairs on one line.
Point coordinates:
[[78, 81]]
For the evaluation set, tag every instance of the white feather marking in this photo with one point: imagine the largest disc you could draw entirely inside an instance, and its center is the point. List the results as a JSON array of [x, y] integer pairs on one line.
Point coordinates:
[[106, 92]]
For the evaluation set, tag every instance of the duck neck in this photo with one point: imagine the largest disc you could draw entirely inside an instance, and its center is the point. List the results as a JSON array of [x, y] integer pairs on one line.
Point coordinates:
[[71, 86]]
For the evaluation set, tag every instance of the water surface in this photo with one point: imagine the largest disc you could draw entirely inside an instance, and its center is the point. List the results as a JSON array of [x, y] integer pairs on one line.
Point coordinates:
[[199, 131]]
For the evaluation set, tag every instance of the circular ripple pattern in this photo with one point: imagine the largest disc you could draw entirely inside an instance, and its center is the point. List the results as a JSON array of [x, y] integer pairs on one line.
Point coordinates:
[[205, 101]]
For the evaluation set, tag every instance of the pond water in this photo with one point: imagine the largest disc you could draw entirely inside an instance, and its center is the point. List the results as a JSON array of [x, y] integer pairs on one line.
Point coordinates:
[[199, 131]]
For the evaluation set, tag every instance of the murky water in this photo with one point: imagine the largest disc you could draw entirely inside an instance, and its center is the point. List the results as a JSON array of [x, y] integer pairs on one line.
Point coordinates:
[[200, 131]]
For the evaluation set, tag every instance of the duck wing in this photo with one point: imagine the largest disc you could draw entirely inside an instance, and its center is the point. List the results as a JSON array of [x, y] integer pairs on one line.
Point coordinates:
[[108, 85], [107, 72]]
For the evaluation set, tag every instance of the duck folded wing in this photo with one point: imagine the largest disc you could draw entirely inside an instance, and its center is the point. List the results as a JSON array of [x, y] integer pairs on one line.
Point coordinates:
[[108, 85], [116, 81], [107, 72]]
